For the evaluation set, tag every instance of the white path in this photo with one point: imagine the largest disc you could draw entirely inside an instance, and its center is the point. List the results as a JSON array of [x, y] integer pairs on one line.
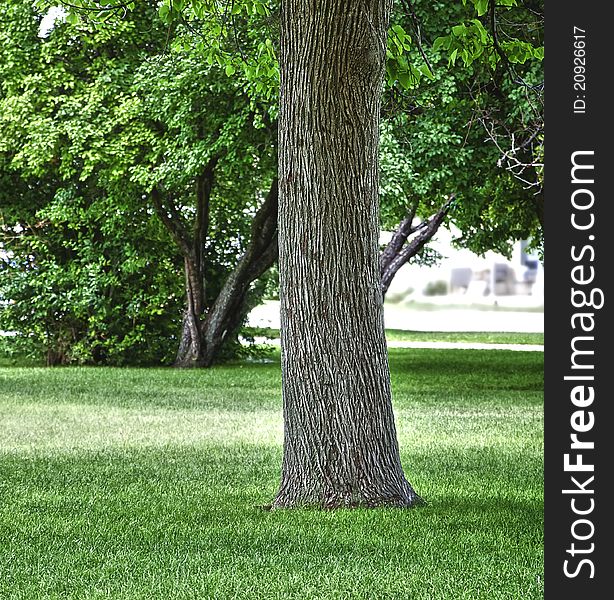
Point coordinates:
[[439, 319], [435, 345]]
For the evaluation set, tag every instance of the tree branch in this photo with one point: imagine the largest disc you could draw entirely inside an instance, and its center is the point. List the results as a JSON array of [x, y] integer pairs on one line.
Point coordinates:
[[173, 222], [405, 254], [261, 253]]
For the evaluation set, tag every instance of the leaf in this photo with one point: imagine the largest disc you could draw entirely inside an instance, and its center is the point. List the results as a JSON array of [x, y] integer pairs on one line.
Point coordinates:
[[163, 11], [481, 6], [404, 79], [399, 31], [230, 70], [483, 33], [441, 42], [72, 18], [424, 69]]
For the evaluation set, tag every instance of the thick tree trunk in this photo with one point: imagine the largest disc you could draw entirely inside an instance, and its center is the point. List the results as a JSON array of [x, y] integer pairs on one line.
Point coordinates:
[[340, 446]]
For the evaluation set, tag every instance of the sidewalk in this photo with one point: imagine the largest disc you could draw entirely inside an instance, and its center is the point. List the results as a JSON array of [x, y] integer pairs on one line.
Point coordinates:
[[435, 345], [438, 319]]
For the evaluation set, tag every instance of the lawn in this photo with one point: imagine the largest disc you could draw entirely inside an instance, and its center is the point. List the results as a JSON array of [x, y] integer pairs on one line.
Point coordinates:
[[148, 483], [402, 335]]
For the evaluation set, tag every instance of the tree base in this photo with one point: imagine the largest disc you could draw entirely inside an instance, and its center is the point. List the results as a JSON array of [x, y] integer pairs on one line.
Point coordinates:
[[346, 500]]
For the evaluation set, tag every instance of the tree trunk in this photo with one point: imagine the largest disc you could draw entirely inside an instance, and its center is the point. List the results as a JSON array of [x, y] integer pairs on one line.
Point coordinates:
[[205, 329], [190, 244], [189, 353], [340, 446], [231, 306]]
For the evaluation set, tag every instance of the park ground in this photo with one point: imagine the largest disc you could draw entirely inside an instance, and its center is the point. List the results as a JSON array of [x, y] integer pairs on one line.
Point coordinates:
[[149, 483]]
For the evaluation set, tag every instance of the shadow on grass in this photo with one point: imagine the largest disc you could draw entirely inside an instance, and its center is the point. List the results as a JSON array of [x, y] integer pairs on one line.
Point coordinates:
[[185, 523], [477, 369], [232, 387]]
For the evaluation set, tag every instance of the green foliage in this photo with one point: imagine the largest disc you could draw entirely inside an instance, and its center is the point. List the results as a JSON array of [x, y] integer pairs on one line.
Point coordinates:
[[89, 282], [101, 115], [438, 146], [446, 134], [399, 65], [85, 275], [116, 102], [471, 41]]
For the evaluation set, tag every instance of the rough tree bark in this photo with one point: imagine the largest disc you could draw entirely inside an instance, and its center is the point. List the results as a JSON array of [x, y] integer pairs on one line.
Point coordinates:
[[340, 445], [397, 253]]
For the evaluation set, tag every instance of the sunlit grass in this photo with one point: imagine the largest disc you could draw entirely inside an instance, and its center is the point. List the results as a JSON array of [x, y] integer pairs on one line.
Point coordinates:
[[402, 335], [147, 484]]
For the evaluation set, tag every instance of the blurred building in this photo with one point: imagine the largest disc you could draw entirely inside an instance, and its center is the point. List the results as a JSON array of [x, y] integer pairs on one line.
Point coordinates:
[[463, 276]]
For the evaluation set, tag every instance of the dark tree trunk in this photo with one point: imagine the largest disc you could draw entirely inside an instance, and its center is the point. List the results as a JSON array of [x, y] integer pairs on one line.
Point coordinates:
[[189, 353], [340, 445], [230, 307], [206, 329], [397, 252], [191, 245]]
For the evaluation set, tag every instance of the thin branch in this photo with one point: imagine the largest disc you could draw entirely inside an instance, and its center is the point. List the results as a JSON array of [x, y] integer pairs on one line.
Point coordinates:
[[416, 25], [172, 222]]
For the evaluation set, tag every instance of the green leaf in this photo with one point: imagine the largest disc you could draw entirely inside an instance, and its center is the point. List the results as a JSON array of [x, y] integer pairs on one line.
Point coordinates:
[[483, 33], [441, 42], [72, 18], [424, 69], [399, 31], [230, 70], [164, 12], [404, 79], [481, 6]]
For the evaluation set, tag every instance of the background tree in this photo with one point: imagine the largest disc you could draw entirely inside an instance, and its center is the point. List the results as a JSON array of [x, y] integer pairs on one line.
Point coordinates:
[[444, 127], [85, 276], [145, 132]]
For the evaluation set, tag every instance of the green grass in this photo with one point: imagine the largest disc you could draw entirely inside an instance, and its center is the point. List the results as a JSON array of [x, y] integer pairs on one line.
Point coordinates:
[[402, 335], [432, 306], [146, 484]]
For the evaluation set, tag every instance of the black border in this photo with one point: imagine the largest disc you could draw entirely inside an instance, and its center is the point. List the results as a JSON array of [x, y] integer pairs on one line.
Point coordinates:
[[567, 132]]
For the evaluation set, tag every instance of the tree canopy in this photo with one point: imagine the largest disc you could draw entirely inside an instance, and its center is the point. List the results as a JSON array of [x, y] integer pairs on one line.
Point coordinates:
[[141, 138], [102, 117]]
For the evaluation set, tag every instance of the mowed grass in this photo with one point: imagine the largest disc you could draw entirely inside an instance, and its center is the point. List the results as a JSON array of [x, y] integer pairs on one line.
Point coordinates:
[[147, 483], [402, 335]]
